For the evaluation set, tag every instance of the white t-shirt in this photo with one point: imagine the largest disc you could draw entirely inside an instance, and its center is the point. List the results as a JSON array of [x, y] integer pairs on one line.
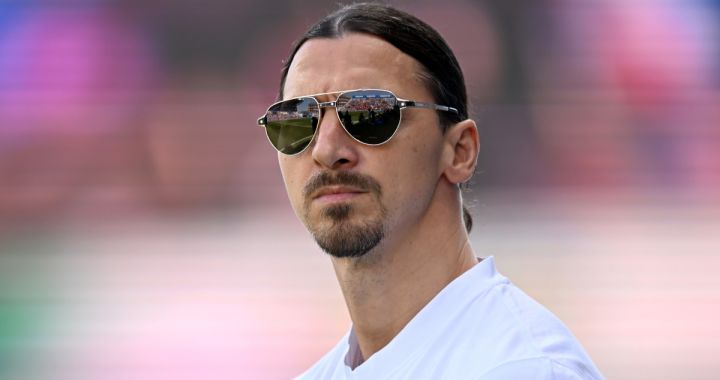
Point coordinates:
[[480, 326]]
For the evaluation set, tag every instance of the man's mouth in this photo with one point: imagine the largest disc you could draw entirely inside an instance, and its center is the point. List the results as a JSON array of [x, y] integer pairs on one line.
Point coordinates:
[[331, 194]]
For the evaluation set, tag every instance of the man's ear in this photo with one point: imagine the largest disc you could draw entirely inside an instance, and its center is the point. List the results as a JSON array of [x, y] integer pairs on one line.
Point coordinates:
[[461, 148]]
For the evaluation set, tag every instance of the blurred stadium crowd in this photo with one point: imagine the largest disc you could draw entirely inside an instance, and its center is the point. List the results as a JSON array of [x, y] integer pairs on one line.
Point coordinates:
[[130, 107]]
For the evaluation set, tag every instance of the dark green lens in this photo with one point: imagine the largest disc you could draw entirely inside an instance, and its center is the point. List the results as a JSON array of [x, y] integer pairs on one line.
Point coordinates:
[[370, 116], [291, 124]]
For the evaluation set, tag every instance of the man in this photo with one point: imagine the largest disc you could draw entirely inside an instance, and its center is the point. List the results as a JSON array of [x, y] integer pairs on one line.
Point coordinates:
[[374, 142]]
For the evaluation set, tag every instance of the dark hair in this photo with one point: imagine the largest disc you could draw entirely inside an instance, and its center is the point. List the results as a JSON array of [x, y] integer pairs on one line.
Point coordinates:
[[440, 70]]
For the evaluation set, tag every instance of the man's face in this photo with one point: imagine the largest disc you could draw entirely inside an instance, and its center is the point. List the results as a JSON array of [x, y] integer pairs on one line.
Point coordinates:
[[353, 197]]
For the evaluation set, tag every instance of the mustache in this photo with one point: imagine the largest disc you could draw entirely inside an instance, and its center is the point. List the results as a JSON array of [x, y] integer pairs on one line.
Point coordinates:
[[360, 181]]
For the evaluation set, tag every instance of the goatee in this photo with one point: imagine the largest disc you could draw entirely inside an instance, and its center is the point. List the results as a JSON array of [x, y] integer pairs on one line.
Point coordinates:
[[345, 237]]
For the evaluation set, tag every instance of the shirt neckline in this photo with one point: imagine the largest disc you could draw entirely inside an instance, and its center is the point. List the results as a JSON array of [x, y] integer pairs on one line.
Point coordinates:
[[426, 325]]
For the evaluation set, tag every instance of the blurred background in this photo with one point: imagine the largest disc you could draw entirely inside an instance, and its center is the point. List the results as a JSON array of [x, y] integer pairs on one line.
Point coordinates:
[[145, 231]]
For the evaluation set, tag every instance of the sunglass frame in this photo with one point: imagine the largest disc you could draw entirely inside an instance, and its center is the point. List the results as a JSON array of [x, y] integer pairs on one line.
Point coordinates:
[[401, 103]]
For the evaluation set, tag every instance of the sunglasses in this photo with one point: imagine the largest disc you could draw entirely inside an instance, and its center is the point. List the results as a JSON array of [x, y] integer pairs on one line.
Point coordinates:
[[370, 117]]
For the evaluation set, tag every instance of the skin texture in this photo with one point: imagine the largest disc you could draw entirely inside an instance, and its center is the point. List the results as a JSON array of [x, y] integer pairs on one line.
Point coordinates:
[[424, 244]]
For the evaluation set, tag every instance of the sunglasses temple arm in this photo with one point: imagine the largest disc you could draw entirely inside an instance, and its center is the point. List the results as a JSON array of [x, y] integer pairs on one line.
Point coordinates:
[[412, 103], [261, 121]]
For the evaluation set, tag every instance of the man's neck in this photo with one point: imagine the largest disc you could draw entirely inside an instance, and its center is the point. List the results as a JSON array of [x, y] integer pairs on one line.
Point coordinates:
[[386, 289]]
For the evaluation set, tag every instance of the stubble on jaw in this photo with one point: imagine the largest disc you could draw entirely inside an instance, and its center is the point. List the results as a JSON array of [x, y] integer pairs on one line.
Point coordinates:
[[336, 232]]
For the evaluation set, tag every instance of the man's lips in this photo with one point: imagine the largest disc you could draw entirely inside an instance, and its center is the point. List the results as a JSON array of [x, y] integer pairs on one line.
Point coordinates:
[[336, 193]]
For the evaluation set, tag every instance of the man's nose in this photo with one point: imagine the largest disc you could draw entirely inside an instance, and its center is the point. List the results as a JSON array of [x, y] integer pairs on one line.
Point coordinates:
[[334, 148]]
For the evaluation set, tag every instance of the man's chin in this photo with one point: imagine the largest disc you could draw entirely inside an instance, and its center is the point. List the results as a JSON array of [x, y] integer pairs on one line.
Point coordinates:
[[337, 213], [344, 239]]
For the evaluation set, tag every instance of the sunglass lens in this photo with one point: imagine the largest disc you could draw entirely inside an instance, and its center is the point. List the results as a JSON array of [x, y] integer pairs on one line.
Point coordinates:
[[291, 124], [370, 116]]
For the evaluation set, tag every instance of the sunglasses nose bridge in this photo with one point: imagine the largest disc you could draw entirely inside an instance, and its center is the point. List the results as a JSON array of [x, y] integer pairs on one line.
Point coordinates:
[[332, 104], [327, 104], [323, 105], [324, 119], [333, 147]]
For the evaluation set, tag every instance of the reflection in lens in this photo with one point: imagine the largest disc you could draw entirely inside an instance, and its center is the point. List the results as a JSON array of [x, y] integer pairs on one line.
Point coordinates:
[[291, 124], [370, 116]]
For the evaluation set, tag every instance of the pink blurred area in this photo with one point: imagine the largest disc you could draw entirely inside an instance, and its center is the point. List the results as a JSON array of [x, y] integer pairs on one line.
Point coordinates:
[[145, 232]]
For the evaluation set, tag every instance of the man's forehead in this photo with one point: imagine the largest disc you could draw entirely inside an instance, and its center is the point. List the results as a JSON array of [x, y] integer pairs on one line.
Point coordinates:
[[355, 60]]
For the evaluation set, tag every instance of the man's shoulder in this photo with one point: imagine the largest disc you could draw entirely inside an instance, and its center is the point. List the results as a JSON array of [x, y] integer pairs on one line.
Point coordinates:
[[517, 336], [540, 368]]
